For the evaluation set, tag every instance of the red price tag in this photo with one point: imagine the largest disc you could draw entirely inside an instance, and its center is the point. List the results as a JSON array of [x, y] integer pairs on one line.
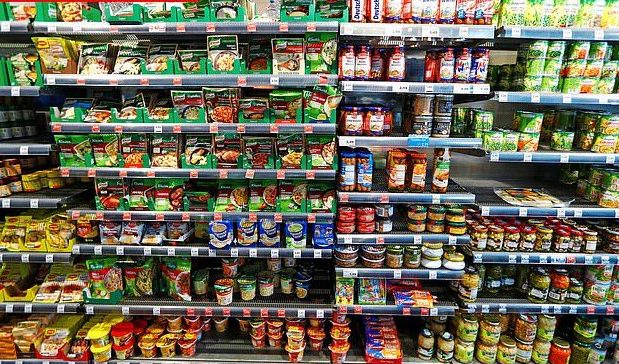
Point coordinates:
[[210, 27], [217, 216], [208, 311], [311, 27], [185, 216], [323, 80], [240, 128], [64, 172], [193, 173], [150, 174], [176, 129], [570, 259], [251, 27], [283, 27], [99, 215], [80, 81], [610, 310], [191, 311], [281, 313], [180, 28], [281, 174], [92, 173], [380, 240], [309, 129], [277, 217], [311, 218], [274, 129], [406, 311], [250, 173], [118, 129], [56, 128], [113, 28], [241, 81], [122, 173], [590, 310], [246, 312], [159, 217], [253, 217], [213, 128], [310, 174], [341, 310], [223, 174], [113, 82], [384, 198], [343, 197], [425, 312], [358, 310], [95, 128], [144, 82], [226, 312], [75, 215], [126, 216], [264, 312], [177, 81]]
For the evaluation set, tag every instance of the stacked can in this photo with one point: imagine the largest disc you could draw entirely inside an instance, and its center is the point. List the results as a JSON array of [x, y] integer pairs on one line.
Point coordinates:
[[529, 126], [600, 185], [538, 66], [597, 132], [431, 115], [588, 68], [560, 129]]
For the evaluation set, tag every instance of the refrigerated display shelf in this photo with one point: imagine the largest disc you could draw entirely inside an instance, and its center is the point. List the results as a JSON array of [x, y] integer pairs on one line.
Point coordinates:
[[221, 173], [415, 87], [388, 273], [186, 28], [196, 215], [39, 361], [198, 251], [44, 199], [439, 309], [317, 304], [14, 27], [192, 80], [518, 305], [520, 32], [548, 156], [16, 91], [202, 128], [379, 194], [491, 205], [32, 307], [543, 258], [435, 31], [401, 236], [24, 148], [526, 97], [33, 257], [412, 141]]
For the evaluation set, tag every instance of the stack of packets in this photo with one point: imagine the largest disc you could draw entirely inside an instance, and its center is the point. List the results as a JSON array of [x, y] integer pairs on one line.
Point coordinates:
[[382, 344]]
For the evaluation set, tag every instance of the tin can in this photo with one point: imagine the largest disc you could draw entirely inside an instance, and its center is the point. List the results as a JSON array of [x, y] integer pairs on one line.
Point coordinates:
[[479, 65]]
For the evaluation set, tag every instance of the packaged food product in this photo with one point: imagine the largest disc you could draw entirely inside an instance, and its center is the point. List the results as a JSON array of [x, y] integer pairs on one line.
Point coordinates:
[[396, 170], [159, 56], [288, 56], [222, 104], [176, 278], [223, 51], [164, 150], [321, 52]]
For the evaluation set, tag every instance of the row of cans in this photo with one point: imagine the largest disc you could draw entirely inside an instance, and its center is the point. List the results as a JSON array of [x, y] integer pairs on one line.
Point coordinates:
[[424, 12]]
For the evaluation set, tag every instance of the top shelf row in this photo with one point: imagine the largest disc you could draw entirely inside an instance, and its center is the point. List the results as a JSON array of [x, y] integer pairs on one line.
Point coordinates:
[[444, 31]]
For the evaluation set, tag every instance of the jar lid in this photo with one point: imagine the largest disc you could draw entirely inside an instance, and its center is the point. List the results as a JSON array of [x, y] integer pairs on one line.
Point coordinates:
[[528, 229], [456, 224], [395, 249], [470, 318], [492, 320], [447, 336], [481, 229], [528, 318], [561, 271], [454, 256], [544, 230], [470, 269], [507, 341], [455, 211], [589, 232], [417, 208], [562, 233], [563, 344], [540, 271], [427, 333], [579, 233], [495, 229], [437, 209], [512, 229], [575, 282]]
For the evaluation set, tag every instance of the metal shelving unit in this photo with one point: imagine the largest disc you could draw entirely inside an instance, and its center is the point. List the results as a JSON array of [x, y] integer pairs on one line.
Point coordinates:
[[556, 98], [14, 27], [191, 80], [16, 91], [416, 87], [544, 258], [517, 305], [68, 128], [420, 273], [200, 251], [401, 236], [440, 309], [40, 361], [196, 215], [547, 156], [34, 257], [521, 32], [186, 28], [35, 307], [44, 199], [434, 31], [408, 142], [198, 173], [24, 148]]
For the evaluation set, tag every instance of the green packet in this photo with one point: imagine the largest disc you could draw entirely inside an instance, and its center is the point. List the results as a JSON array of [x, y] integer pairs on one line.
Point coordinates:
[[75, 150], [262, 195], [321, 197], [321, 52], [190, 59], [231, 196], [106, 149], [321, 102], [292, 196], [130, 58]]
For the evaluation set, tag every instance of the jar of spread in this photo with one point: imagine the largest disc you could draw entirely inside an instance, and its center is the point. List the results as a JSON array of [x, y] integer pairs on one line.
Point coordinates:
[[365, 214], [436, 212], [436, 226], [374, 121], [456, 228], [416, 226], [383, 210], [590, 241], [31, 182], [383, 225], [412, 257], [455, 214], [417, 212], [528, 235], [362, 63], [394, 257], [511, 239], [423, 105]]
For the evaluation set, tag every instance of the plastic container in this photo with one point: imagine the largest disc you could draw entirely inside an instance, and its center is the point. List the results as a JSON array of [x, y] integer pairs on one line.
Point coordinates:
[[192, 322], [125, 351], [175, 323], [247, 286], [167, 345], [338, 353], [221, 324], [224, 288], [316, 338], [302, 284], [275, 340], [99, 334], [188, 345], [295, 355], [122, 333], [258, 341], [265, 282], [258, 327], [274, 327], [147, 345], [101, 354]]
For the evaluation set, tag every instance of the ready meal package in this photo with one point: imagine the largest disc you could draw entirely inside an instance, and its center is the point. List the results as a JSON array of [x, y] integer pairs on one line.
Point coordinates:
[[254, 109], [228, 149], [321, 197], [189, 105], [130, 109], [286, 105], [97, 59], [131, 233], [292, 196], [259, 56], [130, 58], [110, 193], [231, 196], [288, 56], [139, 277], [176, 274], [320, 151], [192, 60], [101, 112], [74, 150], [58, 55], [106, 149], [140, 194], [197, 152], [160, 57], [169, 194], [321, 52], [164, 150], [222, 104], [223, 53], [134, 149], [290, 150], [160, 108], [320, 103], [24, 68], [259, 152], [262, 195]]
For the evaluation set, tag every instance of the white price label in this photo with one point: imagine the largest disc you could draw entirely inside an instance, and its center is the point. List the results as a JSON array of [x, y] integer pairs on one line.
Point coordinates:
[[397, 274], [77, 28], [346, 29], [430, 31], [572, 309], [417, 239], [253, 253], [5, 26], [432, 274], [301, 313], [120, 250], [485, 308], [60, 308], [616, 213], [156, 28], [567, 99], [212, 252], [317, 253], [28, 308], [464, 32], [24, 150], [560, 212], [157, 129], [346, 86], [524, 259], [588, 260], [516, 32], [349, 273], [452, 240], [462, 88], [347, 142], [527, 157], [25, 258], [502, 308], [171, 251], [598, 34], [320, 313], [296, 253], [148, 251], [90, 310], [156, 311], [564, 158], [567, 33], [502, 96], [6, 203], [535, 97], [274, 81], [577, 212], [51, 80], [347, 240], [436, 199], [49, 258], [605, 259], [434, 311], [494, 156], [400, 87], [195, 252], [124, 310], [428, 88], [511, 259], [51, 28], [234, 252], [471, 308], [274, 253], [485, 211], [34, 203], [8, 308], [477, 258], [522, 211], [394, 31], [603, 99], [15, 91], [610, 159]]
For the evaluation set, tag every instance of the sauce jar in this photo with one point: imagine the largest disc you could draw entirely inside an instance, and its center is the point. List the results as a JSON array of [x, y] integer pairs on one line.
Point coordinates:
[[396, 65], [417, 212], [347, 62], [362, 63], [436, 226], [561, 241], [396, 170], [436, 212], [417, 166], [394, 257], [479, 237], [456, 228], [416, 226], [543, 239], [496, 235], [559, 283], [383, 225], [377, 65], [454, 214], [559, 352], [412, 257], [374, 121], [577, 241], [590, 240]]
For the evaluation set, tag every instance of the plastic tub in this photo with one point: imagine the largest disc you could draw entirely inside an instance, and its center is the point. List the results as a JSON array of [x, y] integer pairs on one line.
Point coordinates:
[[275, 340], [188, 345], [175, 323], [338, 318], [317, 336], [224, 288], [122, 333], [316, 322], [230, 267], [192, 322], [295, 341], [247, 285], [338, 353], [258, 327], [274, 327], [302, 284], [285, 281], [265, 282], [258, 341], [101, 354], [221, 324], [207, 324], [147, 345], [295, 355], [167, 345], [124, 352], [197, 332], [99, 334]]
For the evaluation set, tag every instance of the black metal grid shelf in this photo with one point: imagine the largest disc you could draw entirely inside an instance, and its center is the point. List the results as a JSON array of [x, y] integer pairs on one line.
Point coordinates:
[[34, 257], [517, 305], [44, 199], [543, 258], [35, 307]]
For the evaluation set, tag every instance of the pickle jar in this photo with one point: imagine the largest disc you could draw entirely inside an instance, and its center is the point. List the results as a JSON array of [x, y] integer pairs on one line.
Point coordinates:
[[492, 282], [539, 285], [468, 287], [467, 329], [508, 277], [485, 353], [574, 291], [394, 258], [523, 351], [543, 239], [506, 350], [546, 325], [540, 352], [464, 350], [479, 237], [525, 327], [528, 235], [580, 352], [590, 241], [559, 284], [561, 241], [496, 234], [577, 241], [489, 330], [445, 347], [522, 279], [512, 239], [412, 257]]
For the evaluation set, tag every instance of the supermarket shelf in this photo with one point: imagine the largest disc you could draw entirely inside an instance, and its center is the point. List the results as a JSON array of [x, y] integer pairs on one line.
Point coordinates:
[[31, 307], [519, 32], [193, 128], [198, 173], [415, 87], [196, 251], [544, 258], [402, 238], [16, 91], [547, 156], [556, 98], [398, 273], [25, 257], [196, 215], [440, 309], [14, 27], [418, 30], [278, 305], [25, 148], [516, 305], [491, 205], [40, 361], [183, 28], [44, 199], [379, 194], [194, 80], [408, 142]]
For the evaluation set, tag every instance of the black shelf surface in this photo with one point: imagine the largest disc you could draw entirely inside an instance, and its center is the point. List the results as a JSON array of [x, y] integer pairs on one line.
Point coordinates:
[[44, 199], [543, 258], [35, 307], [519, 305], [24, 147], [492, 205], [199, 251], [388, 273], [34, 257], [379, 194]]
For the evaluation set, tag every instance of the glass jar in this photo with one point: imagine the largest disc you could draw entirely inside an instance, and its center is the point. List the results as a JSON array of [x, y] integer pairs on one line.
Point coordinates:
[[492, 282], [435, 226], [445, 347], [508, 277], [481, 269], [585, 328], [490, 330], [559, 352], [525, 327], [468, 287], [479, 237], [528, 234], [523, 351], [512, 238], [561, 242], [574, 291], [505, 322], [522, 279], [577, 241], [464, 350], [436, 213], [425, 345], [394, 257], [506, 350], [412, 256], [559, 283], [540, 352], [546, 325], [416, 174], [580, 352], [485, 353], [467, 328], [438, 324], [539, 285], [590, 241], [543, 239], [454, 214], [496, 235]]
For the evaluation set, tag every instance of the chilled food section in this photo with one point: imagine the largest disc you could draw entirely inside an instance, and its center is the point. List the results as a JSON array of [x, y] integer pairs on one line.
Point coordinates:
[[309, 181]]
